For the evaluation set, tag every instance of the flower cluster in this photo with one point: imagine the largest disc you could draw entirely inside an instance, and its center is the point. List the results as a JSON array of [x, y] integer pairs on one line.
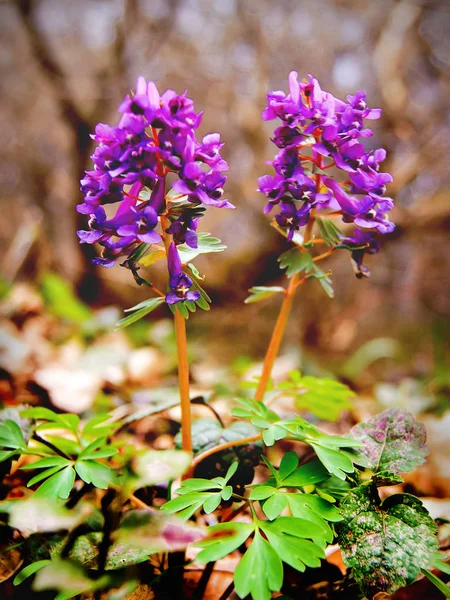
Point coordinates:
[[155, 137], [321, 132]]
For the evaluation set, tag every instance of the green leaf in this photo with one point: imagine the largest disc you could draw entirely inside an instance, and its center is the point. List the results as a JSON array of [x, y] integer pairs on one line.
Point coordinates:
[[328, 231], [306, 503], [66, 595], [386, 545], [11, 435], [275, 505], [323, 397], [191, 306], [204, 301], [51, 461], [7, 454], [99, 426], [60, 298], [386, 478], [102, 453], [308, 474], [211, 503], [67, 446], [221, 540], [306, 507], [302, 509], [442, 566], [227, 492], [40, 413], [140, 251], [98, 474], [29, 570], [273, 432], [295, 261], [59, 485], [197, 485], [91, 450], [44, 475], [154, 467], [332, 489], [262, 492], [286, 536], [69, 421], [195, 493], [186, 505], [260, 571], [288, 464], [231, 471], [195, 272], [259, 293], [13, 413], [140, 310], [254, 408], [438, 583], [324, 279], [206, 244], [392, 441], [336, 462]]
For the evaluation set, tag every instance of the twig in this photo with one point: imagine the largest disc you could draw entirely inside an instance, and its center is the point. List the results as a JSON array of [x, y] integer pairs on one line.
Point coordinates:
[[79, 530], [324, 255], [138, 503], [108, 529], [73, 500], [203, 582], [228, 591]]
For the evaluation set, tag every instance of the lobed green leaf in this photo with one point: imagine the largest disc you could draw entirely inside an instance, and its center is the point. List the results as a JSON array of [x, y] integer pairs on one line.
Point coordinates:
[[222, 539], [259, 293], [206, 243], [260, 571], [295, 261], [140, 311]]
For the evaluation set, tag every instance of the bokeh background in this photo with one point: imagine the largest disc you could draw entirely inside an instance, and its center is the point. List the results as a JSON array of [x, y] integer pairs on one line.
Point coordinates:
[[66, 65]]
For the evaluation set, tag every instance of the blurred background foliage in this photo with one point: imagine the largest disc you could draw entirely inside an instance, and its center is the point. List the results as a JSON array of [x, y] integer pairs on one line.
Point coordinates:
[[67, 65]]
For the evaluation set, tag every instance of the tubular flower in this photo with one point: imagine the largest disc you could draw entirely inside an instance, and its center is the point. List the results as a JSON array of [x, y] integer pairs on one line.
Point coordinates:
[[155, 136], [179, 282], [320, 132]]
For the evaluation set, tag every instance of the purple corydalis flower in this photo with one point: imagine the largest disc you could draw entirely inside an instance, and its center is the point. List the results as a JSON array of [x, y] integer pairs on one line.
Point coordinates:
[[291, 218], [200, 187], [360, 244], [179, 282], [155, 136], [184, 228], [319, 131], [142, 226]]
